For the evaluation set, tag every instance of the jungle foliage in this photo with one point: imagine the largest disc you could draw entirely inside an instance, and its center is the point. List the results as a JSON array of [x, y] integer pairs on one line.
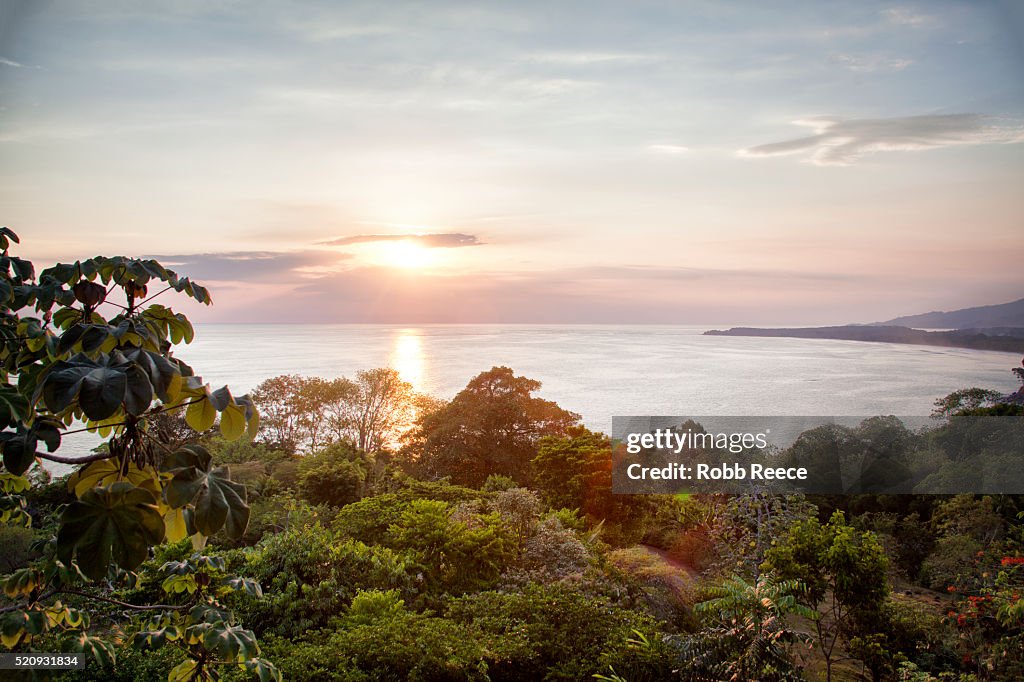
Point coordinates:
[[350, 529]]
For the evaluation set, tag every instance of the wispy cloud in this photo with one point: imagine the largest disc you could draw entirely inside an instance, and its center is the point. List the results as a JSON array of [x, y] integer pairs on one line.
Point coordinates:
[[588, 58], [871, 63], [668, 148], [11, 62], [251, 265], [438, 240], [905, 16], [839, 142], [560, 295]]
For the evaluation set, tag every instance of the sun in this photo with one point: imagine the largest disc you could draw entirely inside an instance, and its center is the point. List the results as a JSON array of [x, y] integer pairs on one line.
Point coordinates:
[[404, 254]]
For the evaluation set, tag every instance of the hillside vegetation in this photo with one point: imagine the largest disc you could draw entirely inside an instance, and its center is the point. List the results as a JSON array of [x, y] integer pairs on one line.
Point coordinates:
[[353, 530]]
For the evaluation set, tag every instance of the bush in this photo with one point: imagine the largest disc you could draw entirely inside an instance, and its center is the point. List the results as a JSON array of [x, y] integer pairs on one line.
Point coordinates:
[[333, 483], [553, 553], [309, 577], [495, 483], [453, 557], [335, 475], [404, 647], [518, 508], [368, 519], [15, 547], [548, 632], [132, 665], [371, 606]]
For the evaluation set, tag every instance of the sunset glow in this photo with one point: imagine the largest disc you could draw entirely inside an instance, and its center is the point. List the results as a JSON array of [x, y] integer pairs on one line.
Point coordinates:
[[636, 167], [404, 254]]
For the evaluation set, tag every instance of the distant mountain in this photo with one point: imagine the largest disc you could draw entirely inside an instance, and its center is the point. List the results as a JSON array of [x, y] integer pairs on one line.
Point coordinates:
[[888, 334], [981, 317]]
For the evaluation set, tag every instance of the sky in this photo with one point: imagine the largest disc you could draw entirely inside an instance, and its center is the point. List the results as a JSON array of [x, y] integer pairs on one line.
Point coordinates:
[[536, 162]]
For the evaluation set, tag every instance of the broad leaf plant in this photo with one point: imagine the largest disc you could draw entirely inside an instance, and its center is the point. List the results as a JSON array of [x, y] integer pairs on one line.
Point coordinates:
[[84, 346]]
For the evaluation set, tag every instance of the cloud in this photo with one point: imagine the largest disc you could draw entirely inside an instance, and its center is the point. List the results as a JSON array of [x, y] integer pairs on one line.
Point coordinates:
[[616, 294], [439, 240], [11, 62], [251, 265], [870, 64], [588, 58], [839, 142], [904, 16], [668, 148]]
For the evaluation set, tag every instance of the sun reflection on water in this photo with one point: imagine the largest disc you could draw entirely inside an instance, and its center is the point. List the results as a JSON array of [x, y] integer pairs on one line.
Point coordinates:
[[407, 357]]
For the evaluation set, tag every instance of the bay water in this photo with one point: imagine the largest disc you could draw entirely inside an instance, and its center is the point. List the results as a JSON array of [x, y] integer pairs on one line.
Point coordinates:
[[602, 370]]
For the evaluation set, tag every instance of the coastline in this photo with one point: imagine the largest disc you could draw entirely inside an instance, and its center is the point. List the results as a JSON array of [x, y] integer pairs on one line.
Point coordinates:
[[971, 339]]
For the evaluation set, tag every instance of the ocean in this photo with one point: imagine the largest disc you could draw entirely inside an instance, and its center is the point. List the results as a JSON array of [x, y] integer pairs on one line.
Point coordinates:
[[601, 371]]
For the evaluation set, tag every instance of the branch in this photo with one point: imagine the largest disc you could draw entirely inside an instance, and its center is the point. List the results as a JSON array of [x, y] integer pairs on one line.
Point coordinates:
[[137, 607], [16, 607], [151, 297], [74, 460], [156, 441], [93, 428]]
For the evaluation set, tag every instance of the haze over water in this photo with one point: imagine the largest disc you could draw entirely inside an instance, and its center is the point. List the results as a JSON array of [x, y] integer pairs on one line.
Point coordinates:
[[600, 371]]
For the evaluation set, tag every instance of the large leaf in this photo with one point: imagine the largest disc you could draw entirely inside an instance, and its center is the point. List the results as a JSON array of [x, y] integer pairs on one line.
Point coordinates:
[[107, 471], [201, 415], [232, 422], [184, 671], [20, 446], [139, 394], [221, 503], [163, 374], [231, 642], [103, 386], [119, 522], [218, 502], [19, 450], [103, 390], [13, 406], [101, 651], [175, 527], [265, 670]]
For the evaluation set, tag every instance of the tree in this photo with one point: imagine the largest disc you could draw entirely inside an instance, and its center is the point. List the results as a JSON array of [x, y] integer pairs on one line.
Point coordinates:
[[748, 635], [306, 413], [574, 471], [381, 409], [334, 476], [564, 466], [72, 363], [493, 426], [845, 574], [965, 399], [279, 400], [453, 556]]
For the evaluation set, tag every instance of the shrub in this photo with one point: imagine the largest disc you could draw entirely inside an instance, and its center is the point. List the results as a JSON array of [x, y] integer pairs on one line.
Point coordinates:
[[554, 553], [548, 632], [452, 556], [368, 519], [495, 483], [407, 646], [309, 577]]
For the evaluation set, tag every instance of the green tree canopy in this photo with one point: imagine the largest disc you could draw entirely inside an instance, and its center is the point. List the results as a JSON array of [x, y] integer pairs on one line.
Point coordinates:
[[493, 426], [844, 571]]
